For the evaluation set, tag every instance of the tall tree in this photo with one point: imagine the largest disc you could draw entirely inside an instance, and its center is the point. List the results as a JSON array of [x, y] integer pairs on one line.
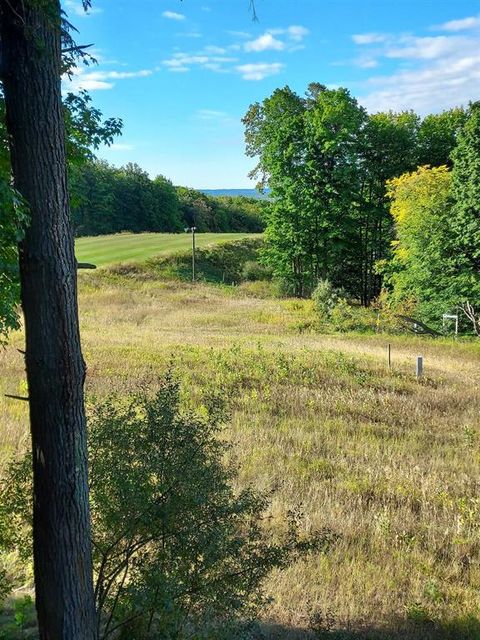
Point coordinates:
[[31, 65], [437, 137], [334, 124], [92, 186], [388, 149], [274, 132], [466, 188], [423, 266], [308, 150]]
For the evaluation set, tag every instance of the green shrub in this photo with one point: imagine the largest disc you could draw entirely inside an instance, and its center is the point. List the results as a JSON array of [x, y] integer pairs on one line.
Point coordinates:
[[253, 271], [347, 317], [336, 313], [325, 297], [177, 553]]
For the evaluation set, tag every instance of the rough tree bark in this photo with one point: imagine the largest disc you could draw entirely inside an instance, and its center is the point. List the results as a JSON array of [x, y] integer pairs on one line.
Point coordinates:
[[30, 55]]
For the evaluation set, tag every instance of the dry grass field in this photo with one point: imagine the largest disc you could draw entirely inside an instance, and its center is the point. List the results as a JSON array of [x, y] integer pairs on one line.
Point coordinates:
[[388, 463]]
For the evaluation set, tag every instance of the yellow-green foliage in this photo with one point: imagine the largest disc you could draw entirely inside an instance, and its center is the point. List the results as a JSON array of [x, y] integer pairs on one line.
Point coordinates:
[[423, 268], [431, 262], [418, 198], [417, 195]]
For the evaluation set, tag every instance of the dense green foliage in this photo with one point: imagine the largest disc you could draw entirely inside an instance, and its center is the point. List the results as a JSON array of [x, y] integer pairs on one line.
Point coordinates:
[[177, 552], [466, 192], [436, 257], [106, 199], [326, 162]]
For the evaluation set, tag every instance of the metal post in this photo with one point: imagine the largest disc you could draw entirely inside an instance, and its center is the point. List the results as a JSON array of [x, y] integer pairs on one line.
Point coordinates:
[[192, 231], [389, 356], [193, 253], [419, 369]]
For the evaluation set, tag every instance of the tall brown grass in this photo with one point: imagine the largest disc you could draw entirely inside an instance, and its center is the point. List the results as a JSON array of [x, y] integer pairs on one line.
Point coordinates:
[[387, 462]]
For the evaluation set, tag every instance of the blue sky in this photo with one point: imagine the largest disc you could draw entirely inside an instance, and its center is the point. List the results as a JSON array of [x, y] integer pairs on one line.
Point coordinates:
[[181, 74]]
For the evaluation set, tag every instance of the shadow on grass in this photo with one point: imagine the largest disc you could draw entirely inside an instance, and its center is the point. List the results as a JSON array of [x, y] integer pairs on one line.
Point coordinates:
[[466, 628]]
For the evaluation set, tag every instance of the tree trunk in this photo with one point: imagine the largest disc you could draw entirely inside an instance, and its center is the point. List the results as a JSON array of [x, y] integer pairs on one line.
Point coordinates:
[[31, 63]]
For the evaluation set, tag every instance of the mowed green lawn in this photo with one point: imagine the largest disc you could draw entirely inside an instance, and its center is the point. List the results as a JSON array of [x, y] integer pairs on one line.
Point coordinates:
[[127, 247]]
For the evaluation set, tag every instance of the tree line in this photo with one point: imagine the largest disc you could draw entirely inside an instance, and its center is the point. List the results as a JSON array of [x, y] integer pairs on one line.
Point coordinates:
[[327, 163], [106, 199]]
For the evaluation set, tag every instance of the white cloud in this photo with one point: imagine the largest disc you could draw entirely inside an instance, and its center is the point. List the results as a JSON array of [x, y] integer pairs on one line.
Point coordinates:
[[181, 61], [459, 25], [172, 15], [266, 42], [213, 66], [100, 80], [259, 70], [369, 38], [75, 7], [120, 75], [436, 73], [218, 59], [91, 85], [430, 89], [239, 34], [297, 33], [213, 119], [292, 39], [366, 62], [430, 48]]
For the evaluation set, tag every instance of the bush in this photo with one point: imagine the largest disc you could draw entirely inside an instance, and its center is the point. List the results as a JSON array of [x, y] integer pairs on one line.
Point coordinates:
[[325, 297], [254, 271], [336, 313], [177, 553], [346, 317], [389, 309]]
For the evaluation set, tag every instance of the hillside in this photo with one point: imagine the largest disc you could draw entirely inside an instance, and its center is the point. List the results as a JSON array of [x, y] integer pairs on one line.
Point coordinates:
[[247, 193], [127, 247]]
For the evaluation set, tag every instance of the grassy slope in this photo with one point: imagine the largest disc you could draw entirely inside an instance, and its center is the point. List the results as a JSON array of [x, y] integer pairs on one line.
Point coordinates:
[[388, 463], [125, 247]]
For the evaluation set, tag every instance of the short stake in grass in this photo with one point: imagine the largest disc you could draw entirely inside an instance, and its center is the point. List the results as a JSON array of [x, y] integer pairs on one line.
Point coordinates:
[[419, 368]]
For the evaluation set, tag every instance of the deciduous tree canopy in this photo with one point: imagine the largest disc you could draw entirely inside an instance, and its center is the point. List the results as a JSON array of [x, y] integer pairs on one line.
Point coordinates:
[[327, 163]]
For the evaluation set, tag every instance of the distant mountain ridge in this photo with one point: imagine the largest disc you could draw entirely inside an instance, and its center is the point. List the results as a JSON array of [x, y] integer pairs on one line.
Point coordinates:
[[247, 193]]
